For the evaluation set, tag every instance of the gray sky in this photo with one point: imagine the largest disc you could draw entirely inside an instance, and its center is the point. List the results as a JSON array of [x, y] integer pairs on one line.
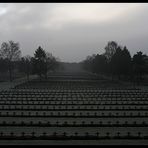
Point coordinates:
[[74, 31]]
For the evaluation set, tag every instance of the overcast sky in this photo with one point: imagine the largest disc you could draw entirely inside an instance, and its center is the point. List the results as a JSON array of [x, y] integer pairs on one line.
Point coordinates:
[[74, 31]]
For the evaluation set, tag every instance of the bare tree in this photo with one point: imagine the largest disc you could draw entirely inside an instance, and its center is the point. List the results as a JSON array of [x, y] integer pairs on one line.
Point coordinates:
[[11, 52], [110, 49], [51, 62], [25, 65]]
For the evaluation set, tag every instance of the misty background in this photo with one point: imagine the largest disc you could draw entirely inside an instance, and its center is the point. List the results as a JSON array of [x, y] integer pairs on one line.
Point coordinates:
[[74, 31]]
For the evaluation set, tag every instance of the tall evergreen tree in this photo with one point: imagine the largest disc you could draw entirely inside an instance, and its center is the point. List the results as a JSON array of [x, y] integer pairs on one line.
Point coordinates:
[[126, 62], [100, 64], [40, 62], [116, 62], [139, 65]]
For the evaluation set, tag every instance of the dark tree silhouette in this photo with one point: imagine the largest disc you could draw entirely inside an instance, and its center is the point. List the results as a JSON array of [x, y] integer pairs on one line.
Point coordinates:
[[116, 61], [25, 65], [3, 65], [139, 65], [43, 62], [88, 63], [51, 63], [11, 52], [126, 62], [121, 62], [39, 62], [110, 49], [99, 64]]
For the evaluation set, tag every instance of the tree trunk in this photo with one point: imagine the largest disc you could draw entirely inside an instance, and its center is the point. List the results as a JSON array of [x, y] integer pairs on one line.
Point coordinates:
[[10, 72], [46, 71], [27, 76], [40, 68], [28, 71], [40, 76], [112, 75], [118, 76]]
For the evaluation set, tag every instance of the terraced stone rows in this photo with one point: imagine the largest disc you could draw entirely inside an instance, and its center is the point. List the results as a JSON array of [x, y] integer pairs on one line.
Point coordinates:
[[72, 130], [73, 108], [69, 84], [59, 109]]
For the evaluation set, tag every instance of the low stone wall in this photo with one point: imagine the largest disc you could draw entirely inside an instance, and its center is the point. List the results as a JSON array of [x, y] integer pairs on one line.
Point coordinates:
[[9, 85]]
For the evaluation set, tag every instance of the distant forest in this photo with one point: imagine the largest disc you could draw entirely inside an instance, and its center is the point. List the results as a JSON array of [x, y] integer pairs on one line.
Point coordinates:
[[12, 65], [116, 62]]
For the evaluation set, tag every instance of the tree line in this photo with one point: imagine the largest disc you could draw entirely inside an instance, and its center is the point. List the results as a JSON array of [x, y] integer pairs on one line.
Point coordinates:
[[118, 63], [11, 61]]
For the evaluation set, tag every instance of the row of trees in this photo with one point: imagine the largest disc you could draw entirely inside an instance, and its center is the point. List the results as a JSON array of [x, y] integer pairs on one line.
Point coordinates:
[[116, 61], [11, 61]]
